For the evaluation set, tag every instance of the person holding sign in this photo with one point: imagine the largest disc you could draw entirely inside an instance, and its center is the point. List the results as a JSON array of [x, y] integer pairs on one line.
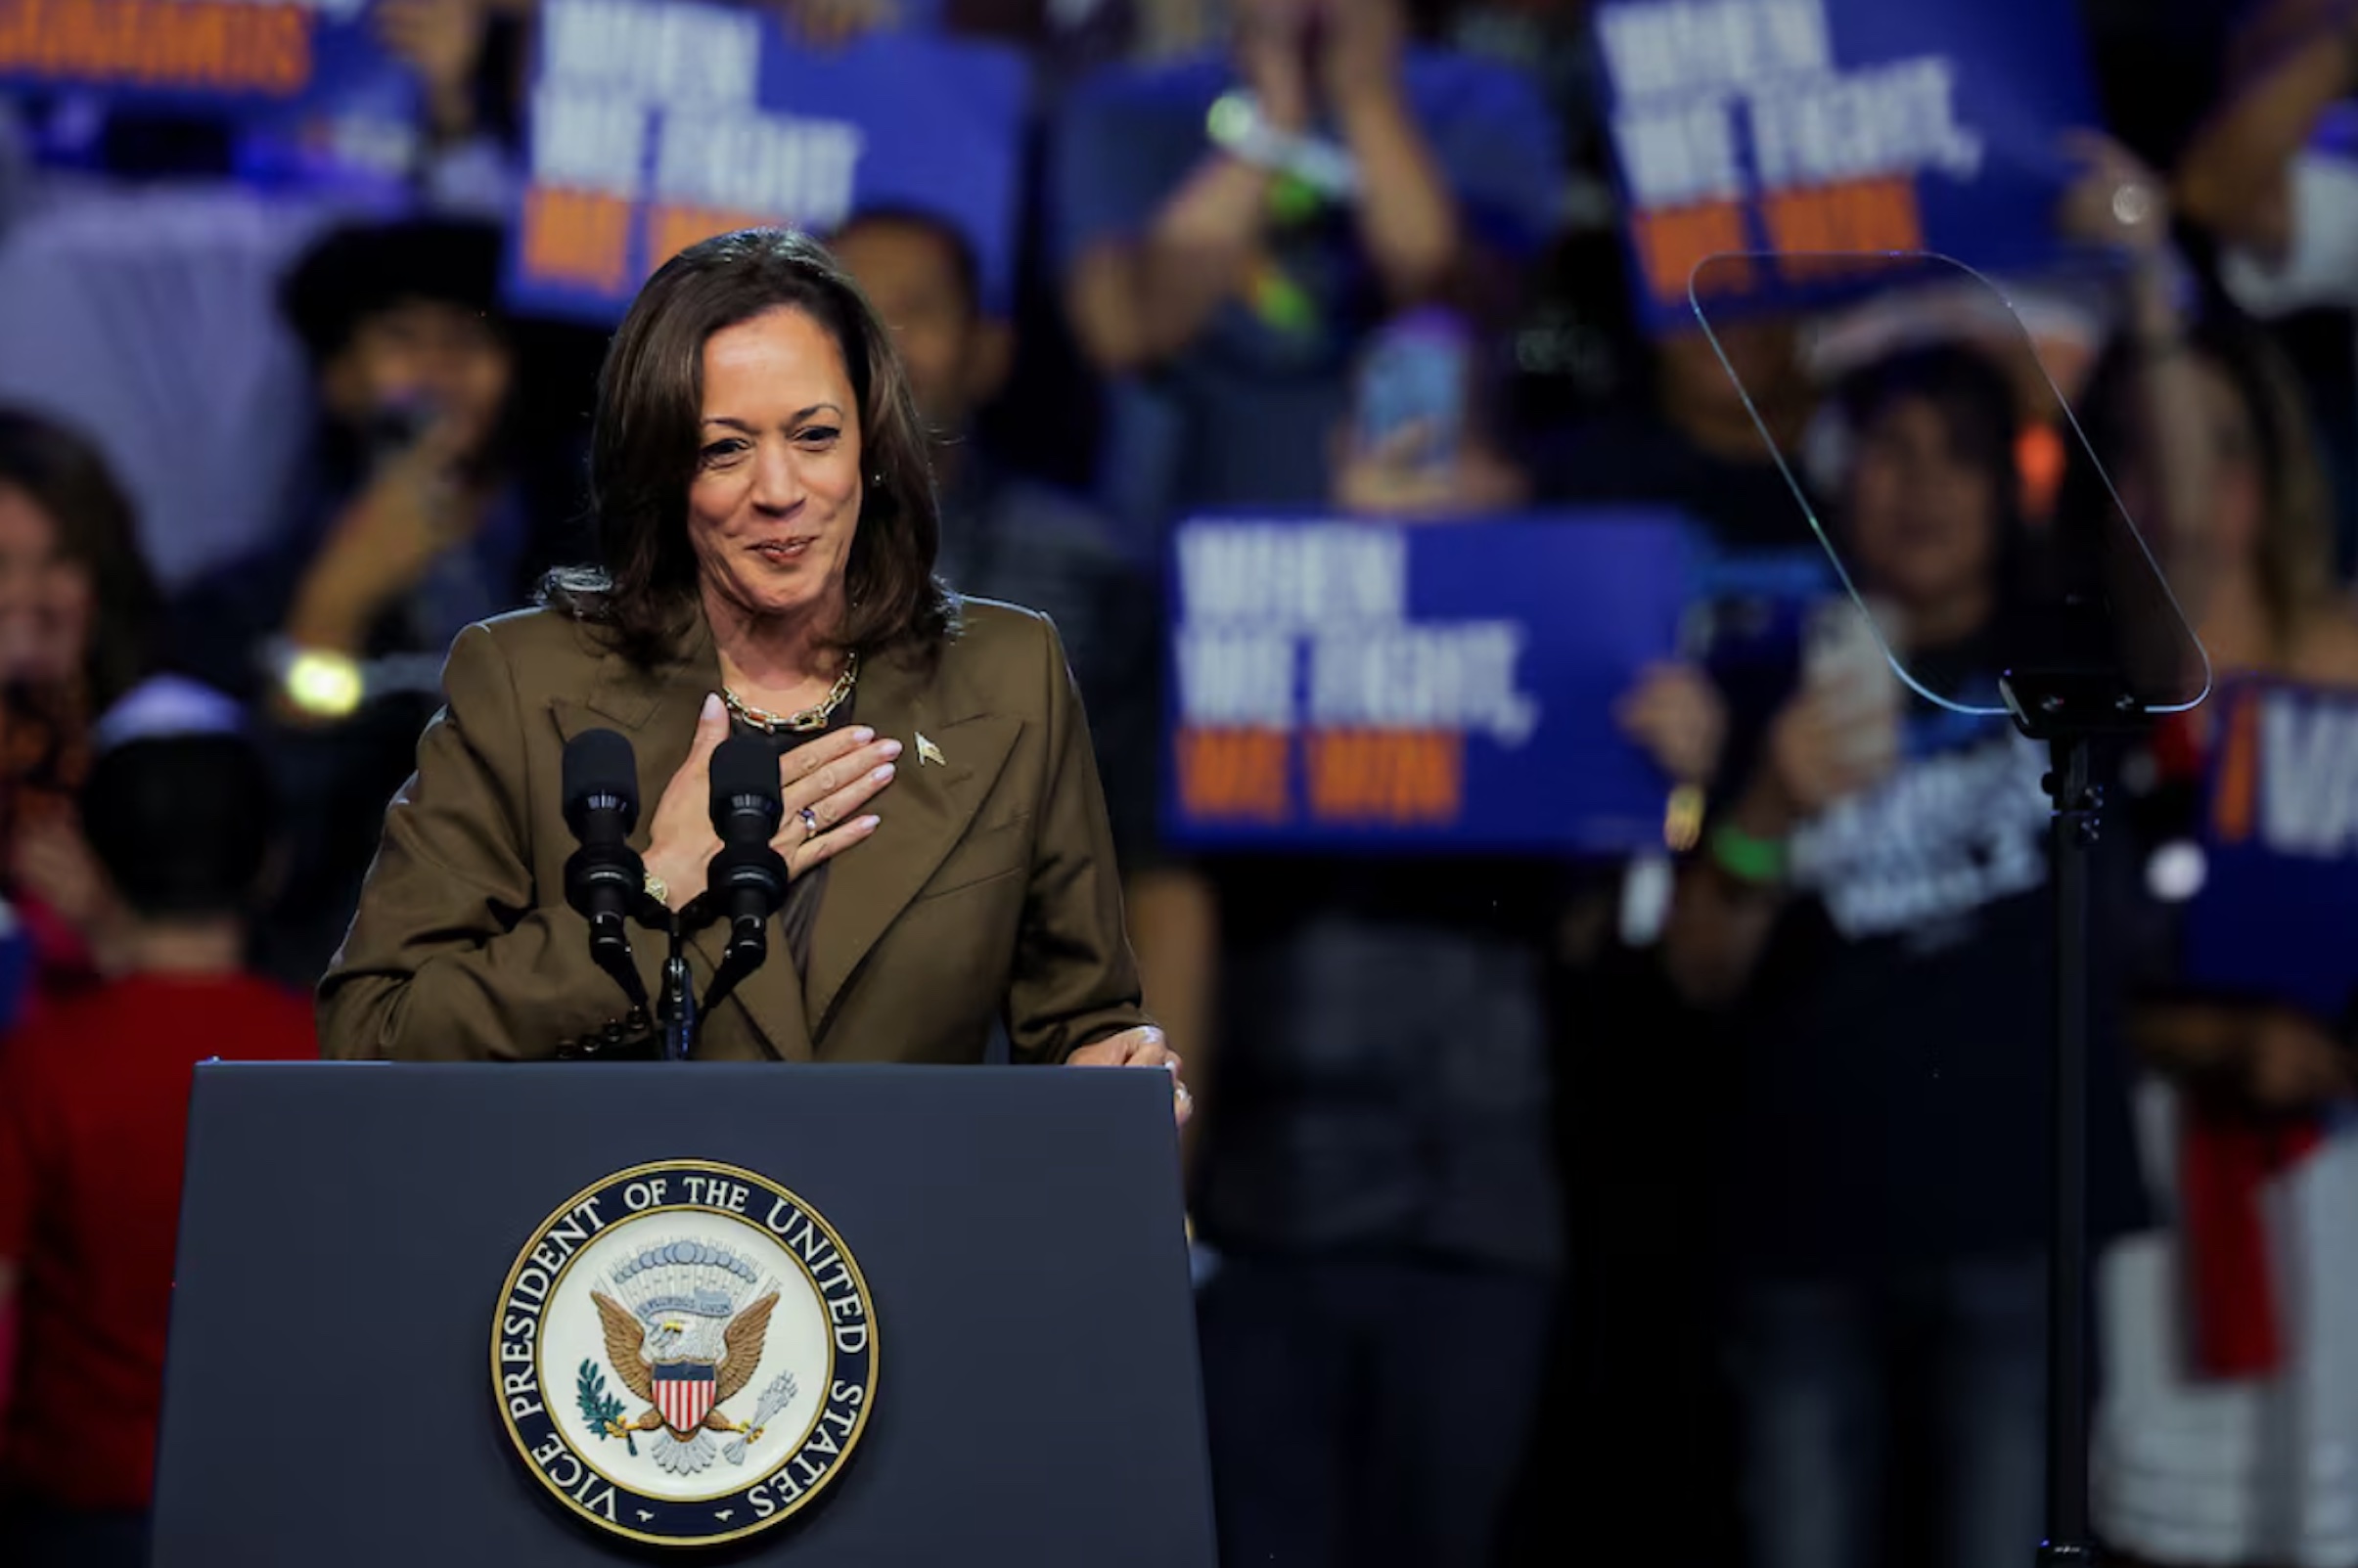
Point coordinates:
[[1004, 536], [1235, 227], [1869, 920], [768, 531], [2248, 1024]]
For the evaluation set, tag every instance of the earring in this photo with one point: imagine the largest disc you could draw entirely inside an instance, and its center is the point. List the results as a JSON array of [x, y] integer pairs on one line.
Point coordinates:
[[877, 480]]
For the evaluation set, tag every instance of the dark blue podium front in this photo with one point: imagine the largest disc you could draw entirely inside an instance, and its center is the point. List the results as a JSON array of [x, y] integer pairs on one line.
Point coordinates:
[[349, 1228]]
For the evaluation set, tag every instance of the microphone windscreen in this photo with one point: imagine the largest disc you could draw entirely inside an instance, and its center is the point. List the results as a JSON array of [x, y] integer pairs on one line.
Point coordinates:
[[745, 779], [600, 767]]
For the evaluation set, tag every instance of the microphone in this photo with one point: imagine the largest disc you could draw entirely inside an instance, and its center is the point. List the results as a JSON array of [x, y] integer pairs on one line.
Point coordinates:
[[605, 879], [748, 877]]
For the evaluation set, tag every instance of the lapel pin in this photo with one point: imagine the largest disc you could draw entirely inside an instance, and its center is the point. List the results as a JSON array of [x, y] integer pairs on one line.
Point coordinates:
[[928, 752]]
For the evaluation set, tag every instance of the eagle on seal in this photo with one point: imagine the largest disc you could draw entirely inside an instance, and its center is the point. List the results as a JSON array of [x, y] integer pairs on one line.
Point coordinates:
[[685, 1361]]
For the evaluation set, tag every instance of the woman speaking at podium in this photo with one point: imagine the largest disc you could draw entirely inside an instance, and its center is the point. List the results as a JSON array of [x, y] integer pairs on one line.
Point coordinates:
[[767, 523]]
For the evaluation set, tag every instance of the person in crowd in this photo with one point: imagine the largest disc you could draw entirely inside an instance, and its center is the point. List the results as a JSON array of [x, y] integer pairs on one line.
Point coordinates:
[[1002, 536], [1692, 438], [1225, 286], [420, 511], [1378, 1139], [2270, 178], [76, 610], [2253, 1080], [768, 529], [2249, 175], [138, 292], [1868, 920], [93, 1106], [1008, 538]]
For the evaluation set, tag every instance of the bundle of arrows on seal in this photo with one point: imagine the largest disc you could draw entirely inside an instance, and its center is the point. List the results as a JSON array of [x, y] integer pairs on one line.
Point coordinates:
[[774, 1399]]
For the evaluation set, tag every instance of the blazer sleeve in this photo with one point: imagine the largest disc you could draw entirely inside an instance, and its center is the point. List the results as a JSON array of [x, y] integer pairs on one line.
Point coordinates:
[[1075, 980], [452, 955]]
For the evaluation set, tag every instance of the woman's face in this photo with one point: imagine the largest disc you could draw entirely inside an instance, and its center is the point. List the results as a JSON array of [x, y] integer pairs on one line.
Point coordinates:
[[46, 599], [776, 497], [1922, 516], [2236, 513]]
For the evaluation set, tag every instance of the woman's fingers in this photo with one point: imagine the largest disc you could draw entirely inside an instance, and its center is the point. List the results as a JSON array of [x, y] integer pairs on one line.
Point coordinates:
[[826, 765], [828, 813], [825, 846], [823, 786], [1142, 1047], [711, 729], [833, 793], [812, 756]]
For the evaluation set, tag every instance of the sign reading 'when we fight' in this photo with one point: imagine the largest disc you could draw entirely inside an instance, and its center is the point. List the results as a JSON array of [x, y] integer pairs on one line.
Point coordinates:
[[657, 123], [1788, 148], [1362, 686]]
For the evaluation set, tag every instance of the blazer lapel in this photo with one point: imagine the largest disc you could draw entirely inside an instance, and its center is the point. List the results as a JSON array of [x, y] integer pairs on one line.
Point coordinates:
[[658, 710], [925, 811]]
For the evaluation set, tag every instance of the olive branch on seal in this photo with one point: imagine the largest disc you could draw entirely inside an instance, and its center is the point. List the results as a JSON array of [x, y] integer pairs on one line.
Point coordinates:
[[601, 1409]]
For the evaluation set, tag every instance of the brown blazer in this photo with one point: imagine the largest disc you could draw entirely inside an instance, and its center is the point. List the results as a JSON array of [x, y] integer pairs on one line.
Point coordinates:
[[990, 890]]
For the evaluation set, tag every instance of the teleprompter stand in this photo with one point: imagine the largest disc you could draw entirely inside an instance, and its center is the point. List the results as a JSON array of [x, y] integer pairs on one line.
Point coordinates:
[[2069, 710]]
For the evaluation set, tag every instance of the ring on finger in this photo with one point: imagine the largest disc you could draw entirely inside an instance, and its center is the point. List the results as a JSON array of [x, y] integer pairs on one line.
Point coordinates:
[[810, 822]]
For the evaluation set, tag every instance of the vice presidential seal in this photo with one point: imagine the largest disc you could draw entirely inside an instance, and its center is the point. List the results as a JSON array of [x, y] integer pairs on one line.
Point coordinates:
[[685, 1354]]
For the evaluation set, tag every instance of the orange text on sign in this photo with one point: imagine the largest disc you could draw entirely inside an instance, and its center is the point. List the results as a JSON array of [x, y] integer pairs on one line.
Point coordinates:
[[191, 45], [672, 230], [2236, 803], [577, 237], [1233, 776], [1388, 777], [1832, 230], [1672, 241]]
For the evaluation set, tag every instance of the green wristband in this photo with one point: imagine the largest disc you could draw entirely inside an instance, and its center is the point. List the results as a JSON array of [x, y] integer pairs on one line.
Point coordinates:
[[1758, 861]]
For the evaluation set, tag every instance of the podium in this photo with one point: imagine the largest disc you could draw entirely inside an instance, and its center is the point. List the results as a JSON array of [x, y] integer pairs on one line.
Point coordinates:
[[357, 1250]]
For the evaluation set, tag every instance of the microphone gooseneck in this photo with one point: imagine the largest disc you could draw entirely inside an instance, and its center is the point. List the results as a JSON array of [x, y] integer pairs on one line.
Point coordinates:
[[745, 883], [604, 878], [748, 877]]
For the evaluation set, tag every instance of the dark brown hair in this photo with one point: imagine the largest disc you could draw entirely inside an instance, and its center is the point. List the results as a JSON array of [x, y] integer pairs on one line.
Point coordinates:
[[98, 530], [644, 444], [2295, 546], [1977, 408]]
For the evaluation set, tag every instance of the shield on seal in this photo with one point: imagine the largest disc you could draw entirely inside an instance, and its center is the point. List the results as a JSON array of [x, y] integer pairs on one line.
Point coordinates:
[[683, 1393]]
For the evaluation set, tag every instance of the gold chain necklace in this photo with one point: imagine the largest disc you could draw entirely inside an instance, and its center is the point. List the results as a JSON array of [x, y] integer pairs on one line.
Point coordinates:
[[810, 718]]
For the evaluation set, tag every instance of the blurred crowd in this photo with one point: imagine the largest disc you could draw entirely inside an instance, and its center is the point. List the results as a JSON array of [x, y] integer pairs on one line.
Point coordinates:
[[1690, 1209]]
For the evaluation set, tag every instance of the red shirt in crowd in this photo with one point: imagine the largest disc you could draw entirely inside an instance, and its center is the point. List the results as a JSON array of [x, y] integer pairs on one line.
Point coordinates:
[[93, 1123]]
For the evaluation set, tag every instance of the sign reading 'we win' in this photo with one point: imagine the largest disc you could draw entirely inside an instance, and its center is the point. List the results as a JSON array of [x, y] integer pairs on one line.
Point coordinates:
[[1804, 141], [2279, 903], [1360, 686], [655, 124]]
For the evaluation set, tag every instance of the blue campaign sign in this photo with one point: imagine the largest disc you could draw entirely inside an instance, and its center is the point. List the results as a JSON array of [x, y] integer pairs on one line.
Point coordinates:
[[1357, 686], [1815, 136], [187, 52], [656, 124], [316, 95], [2278, 908]]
